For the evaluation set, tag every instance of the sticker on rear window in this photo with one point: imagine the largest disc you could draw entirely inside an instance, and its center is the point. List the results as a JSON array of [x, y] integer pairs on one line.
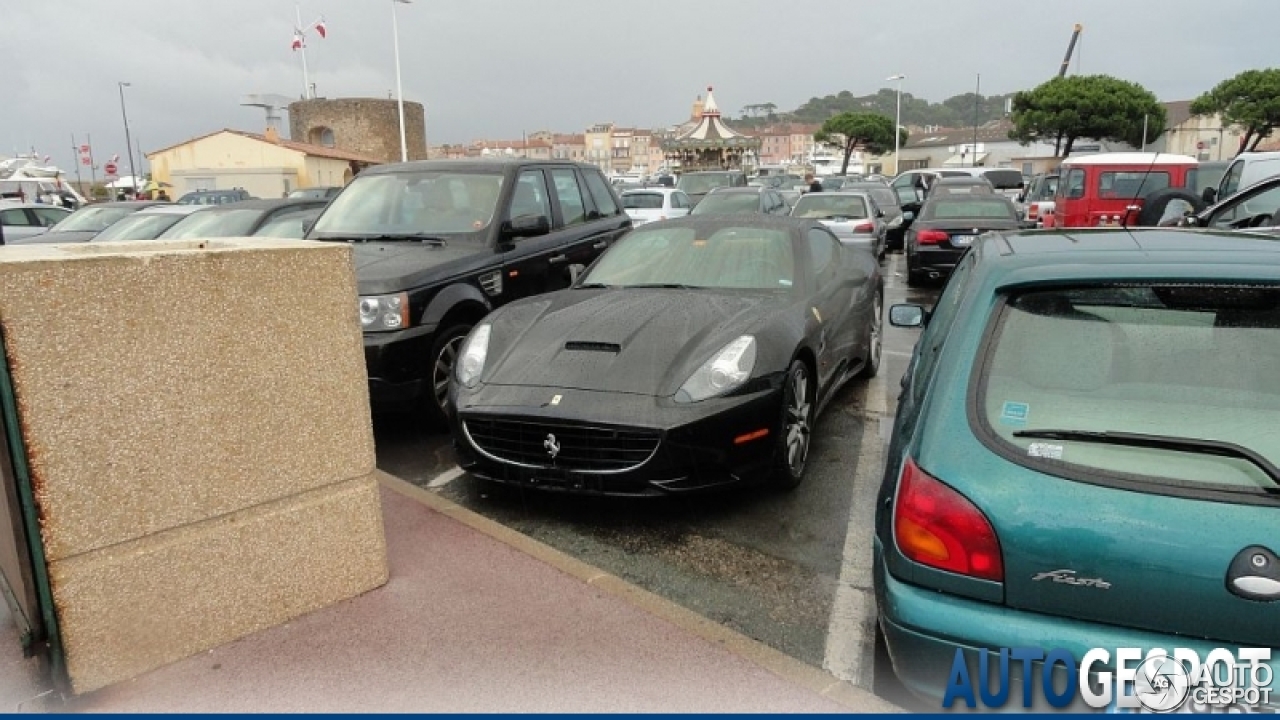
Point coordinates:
[[1015, 413], [1045, 450]]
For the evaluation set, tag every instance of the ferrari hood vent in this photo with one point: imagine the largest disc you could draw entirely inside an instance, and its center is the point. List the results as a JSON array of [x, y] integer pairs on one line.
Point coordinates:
[[593, 346]]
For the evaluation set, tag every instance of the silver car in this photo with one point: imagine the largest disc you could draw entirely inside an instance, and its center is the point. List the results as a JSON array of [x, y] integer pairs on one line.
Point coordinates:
[[853, 216], [21, 221]]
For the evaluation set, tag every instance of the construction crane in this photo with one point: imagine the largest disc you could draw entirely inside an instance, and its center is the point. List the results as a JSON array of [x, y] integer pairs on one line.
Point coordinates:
[[1071, 48]]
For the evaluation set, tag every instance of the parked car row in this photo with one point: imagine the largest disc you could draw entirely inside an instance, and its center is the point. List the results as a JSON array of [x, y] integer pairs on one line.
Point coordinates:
[[151, 220]]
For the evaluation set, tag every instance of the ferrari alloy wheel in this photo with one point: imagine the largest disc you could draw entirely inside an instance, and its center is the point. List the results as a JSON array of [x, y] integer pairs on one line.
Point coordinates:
[[875, 339], [444, 356], [796, 426]]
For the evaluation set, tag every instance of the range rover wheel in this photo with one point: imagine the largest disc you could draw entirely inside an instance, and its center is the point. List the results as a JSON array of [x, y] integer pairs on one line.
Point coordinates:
[[444, 356]]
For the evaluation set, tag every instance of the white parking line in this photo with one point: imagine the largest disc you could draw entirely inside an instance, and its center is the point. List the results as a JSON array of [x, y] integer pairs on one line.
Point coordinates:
[[850, 646], [445, 477]]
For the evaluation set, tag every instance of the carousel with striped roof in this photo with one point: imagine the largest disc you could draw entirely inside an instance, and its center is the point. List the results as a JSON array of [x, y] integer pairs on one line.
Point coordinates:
[[710, 144]]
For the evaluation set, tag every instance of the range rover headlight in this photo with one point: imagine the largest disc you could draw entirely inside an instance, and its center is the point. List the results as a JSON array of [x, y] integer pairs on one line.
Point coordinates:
[[384, 312], [471, 360], [726, 370]]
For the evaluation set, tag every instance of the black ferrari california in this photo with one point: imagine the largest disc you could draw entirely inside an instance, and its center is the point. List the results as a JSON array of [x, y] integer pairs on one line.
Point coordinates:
[[692, 354]]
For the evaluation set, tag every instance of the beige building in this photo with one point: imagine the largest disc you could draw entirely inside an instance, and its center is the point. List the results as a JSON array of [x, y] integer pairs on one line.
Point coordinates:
[[265, 165], [569, 147], [534, 149], [641, 141], [599, 146], [1201, 137]]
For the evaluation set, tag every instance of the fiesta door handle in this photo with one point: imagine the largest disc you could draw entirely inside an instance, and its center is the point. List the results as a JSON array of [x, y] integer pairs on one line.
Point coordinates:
[[557, 259], [601, 245]]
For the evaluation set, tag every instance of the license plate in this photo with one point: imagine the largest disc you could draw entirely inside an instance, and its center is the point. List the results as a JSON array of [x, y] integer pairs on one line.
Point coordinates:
[[962, 239]]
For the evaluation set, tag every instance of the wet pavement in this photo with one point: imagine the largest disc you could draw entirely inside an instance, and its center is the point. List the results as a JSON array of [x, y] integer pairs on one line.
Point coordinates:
[[763, 562]]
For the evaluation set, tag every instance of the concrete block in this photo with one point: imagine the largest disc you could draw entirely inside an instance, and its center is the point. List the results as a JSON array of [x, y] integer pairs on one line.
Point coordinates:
[[131, 608], [196, 419]]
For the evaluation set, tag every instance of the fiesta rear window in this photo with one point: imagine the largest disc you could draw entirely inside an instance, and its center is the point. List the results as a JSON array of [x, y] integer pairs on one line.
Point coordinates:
[[1190, 364]]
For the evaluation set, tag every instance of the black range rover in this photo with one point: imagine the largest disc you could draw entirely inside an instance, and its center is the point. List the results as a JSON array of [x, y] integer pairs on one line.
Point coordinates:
[[439, 244]]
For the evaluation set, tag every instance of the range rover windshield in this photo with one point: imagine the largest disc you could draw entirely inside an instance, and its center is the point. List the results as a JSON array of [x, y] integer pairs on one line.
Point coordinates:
[[426, 203], [1166, 385]]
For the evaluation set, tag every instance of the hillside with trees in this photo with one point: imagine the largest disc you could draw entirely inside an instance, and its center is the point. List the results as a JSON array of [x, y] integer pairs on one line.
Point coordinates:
[[953, 112]]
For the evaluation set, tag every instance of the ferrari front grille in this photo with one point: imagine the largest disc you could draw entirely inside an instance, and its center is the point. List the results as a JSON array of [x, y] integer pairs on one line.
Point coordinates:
[[548, 444]]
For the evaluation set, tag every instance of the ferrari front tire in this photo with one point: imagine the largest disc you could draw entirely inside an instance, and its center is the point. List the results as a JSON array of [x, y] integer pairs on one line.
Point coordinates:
[[795, 426]]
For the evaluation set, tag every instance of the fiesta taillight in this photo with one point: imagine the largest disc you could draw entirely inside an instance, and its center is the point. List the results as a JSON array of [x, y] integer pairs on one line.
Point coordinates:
[[936, 526], [865, 227], [1033, 211], [931, 237]]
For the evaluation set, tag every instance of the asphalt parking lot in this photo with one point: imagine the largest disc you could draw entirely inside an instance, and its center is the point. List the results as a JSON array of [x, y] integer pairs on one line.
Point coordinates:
[[790, 569]]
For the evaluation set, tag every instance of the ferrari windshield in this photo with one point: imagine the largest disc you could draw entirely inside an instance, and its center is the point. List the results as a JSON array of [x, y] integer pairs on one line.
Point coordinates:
[[723, 256], [412, 203]]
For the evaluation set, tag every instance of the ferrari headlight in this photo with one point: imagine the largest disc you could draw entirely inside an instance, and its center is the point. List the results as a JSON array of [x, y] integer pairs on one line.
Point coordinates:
[[726, 370], [384, 312], [471, 360]]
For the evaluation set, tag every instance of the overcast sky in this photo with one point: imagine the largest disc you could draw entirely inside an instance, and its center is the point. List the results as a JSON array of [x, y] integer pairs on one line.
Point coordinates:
[[495, 68]]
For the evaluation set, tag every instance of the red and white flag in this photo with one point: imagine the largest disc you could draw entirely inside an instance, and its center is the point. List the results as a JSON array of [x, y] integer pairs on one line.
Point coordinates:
[[297, 40], [321, 28]]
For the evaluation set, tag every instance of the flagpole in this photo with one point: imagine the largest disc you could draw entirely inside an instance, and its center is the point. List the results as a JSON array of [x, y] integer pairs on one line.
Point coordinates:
[[75, 153], [395, 31], [93, 169], [302, 47]]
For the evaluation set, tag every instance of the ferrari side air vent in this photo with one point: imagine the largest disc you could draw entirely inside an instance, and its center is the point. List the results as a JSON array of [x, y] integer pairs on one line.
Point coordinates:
[[593, 347]]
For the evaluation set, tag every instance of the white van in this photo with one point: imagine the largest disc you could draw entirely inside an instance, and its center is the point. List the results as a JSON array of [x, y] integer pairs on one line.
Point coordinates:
[[1245, 170]]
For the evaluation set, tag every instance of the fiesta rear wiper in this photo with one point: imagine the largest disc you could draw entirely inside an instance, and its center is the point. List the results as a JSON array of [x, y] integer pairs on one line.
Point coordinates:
[[1162, 442]]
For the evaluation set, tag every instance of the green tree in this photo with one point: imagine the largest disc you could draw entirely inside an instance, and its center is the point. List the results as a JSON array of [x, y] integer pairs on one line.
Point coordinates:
[[1100, 107], [1249, 101], [849, 130]]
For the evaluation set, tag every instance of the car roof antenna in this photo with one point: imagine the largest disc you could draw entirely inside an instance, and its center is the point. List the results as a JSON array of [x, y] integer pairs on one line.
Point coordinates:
[[1124, 222]]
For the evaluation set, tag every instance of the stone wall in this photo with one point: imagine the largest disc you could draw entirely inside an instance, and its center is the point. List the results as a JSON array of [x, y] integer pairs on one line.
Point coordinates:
[[196, 420], [363, 125]]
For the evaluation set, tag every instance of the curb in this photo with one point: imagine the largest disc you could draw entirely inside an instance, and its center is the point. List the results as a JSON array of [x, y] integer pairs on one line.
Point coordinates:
[[774, 661]]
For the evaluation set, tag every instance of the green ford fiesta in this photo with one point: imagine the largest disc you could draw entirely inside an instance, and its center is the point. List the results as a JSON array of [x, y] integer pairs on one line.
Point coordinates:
[[1085, 452]]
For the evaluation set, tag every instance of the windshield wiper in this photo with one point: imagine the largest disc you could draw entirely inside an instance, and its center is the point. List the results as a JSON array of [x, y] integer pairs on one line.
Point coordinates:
[[593, 286], [406, 237], [668, 286], [1162, 442]]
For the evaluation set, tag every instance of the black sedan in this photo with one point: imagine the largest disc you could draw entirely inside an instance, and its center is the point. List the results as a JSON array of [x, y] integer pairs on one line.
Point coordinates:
[[729, 201], [947, 226], [695, 353], [239, 219]]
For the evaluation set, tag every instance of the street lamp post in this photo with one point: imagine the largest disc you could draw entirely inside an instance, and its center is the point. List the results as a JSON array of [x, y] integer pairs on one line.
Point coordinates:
[[395, 31], [128, 142], [897, 123]]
